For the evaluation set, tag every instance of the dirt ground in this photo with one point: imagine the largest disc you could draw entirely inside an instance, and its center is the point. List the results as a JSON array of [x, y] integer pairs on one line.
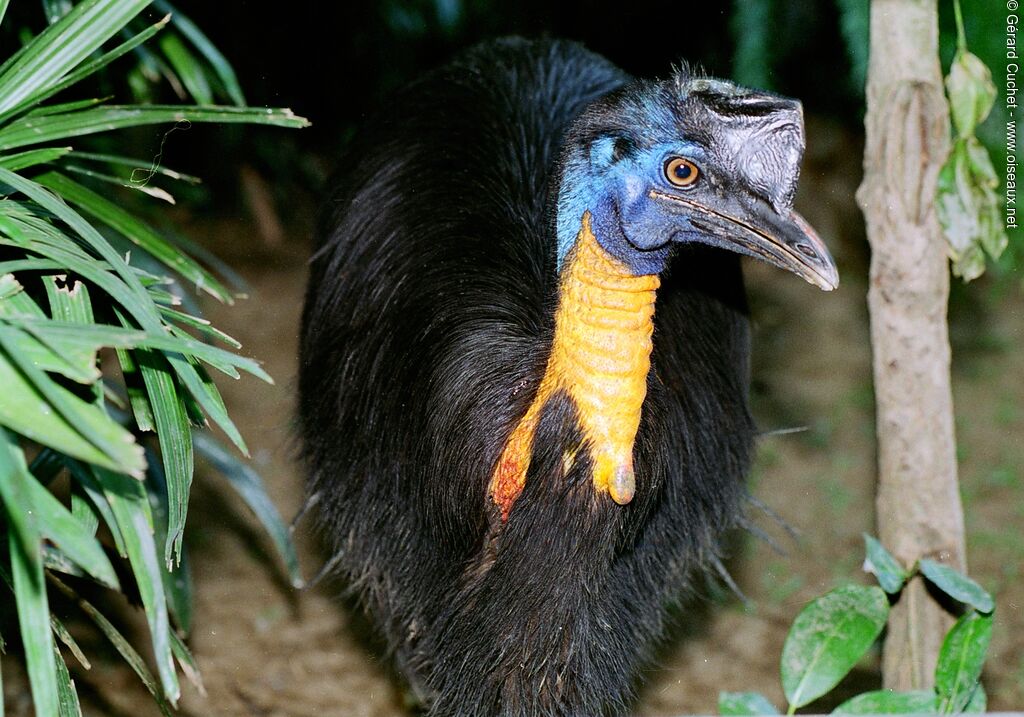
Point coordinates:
[[268, 651]]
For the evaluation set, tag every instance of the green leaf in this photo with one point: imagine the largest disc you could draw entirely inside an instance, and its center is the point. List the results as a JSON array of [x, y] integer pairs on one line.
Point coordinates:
[[68, 705], [177, 579], [37, 130], [61, 47], [957, 585], [87, 69], [249, 486], [978, 703], [187, 68], [23, 160], [142, 171], [220, 65], [65, 637], [880, 563], [971, 92], [34, 620], [188, 664], [85, 480], [136, 390], [961, 659], [16, 492], [745, 703], [828, 638], [887, 702], [57, 524], [175, 435], [130, 506], [24, 410], [137, 231], [116, 444], [122, 645]]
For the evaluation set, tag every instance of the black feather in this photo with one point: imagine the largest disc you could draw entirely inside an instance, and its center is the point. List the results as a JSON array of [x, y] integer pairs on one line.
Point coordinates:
[[427, 326]]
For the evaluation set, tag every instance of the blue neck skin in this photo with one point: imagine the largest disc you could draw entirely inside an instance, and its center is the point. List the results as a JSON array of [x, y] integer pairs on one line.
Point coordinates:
[[627, 223]]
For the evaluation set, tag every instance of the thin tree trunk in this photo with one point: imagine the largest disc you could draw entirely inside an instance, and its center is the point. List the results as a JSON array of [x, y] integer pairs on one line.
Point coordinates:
[[919, 510]]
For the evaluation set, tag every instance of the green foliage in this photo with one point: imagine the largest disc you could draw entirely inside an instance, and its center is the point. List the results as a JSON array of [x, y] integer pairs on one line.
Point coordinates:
[[68, 292], [966, 201], [834, 632]]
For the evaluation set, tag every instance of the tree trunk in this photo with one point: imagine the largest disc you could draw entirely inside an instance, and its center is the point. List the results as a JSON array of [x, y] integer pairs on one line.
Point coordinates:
[[919, 510]]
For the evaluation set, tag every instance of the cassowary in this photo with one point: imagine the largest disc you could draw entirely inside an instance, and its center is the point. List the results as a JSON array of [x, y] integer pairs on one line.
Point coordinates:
[[524, 363]]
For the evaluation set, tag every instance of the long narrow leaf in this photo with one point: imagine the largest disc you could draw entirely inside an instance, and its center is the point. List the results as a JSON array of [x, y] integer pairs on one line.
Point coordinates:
[[137, 302], [121, 644], [62, 46], [175, 436], [34, 620], [57, 524], [188, 69], [135, 230], [15, 493], [32, 157], [147, 169], [220, 64], [250, 487], [24, 410], [86, 69], [37, 130], [130, 505], [90, 422], [67, 696]]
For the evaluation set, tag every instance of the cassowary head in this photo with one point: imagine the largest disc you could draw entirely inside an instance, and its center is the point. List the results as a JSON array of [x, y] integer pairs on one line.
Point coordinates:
[[690, 159]]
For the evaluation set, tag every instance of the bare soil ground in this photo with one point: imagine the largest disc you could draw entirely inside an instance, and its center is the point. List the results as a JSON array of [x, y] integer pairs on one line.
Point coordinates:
[[267, 651]]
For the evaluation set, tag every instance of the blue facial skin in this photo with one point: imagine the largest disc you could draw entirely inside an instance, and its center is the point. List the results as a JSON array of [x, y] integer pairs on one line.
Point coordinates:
[[615, 187]]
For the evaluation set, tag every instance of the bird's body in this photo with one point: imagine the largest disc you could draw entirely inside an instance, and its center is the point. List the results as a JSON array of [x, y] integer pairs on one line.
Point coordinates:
[[455, 457]]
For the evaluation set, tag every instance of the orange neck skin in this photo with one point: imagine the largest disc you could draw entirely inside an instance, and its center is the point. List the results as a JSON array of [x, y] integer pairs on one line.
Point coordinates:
[[600, 357]]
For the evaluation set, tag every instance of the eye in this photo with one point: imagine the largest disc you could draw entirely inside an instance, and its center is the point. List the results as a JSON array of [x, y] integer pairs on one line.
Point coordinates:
[[681, 172]]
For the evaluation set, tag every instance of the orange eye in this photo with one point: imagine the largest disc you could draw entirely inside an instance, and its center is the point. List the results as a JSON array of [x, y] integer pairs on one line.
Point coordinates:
[[681, 172]]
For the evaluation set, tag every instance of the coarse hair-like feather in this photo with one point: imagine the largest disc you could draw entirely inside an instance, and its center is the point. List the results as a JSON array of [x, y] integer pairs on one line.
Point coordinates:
[[427, 327]]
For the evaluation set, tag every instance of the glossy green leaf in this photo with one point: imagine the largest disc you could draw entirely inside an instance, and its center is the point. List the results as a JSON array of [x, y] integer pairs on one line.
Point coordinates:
[[121, 644], [175, 436], [888, 702], [141, 171], [136, 231], [16, 495], [961, 659], [220, 65], [249, 486], [828, 638], [34, 413], [957, 585], [187, 67], [23, 160], [24, 410], [67, 697], [177, 578], [130, 506], [880, 563], [745, 703], [57, 524], [37, 130], [92, 66], [34, 620], [61, 47], [94, 492]]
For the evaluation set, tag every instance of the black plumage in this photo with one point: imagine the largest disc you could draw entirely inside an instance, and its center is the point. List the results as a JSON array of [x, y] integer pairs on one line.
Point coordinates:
[[428, 323]]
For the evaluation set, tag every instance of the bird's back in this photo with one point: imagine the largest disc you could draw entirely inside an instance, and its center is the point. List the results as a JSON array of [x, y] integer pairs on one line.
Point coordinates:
[[427, 326]]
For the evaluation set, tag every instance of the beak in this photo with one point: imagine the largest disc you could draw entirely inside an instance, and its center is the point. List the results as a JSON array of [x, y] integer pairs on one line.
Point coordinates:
[[786, 241]]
